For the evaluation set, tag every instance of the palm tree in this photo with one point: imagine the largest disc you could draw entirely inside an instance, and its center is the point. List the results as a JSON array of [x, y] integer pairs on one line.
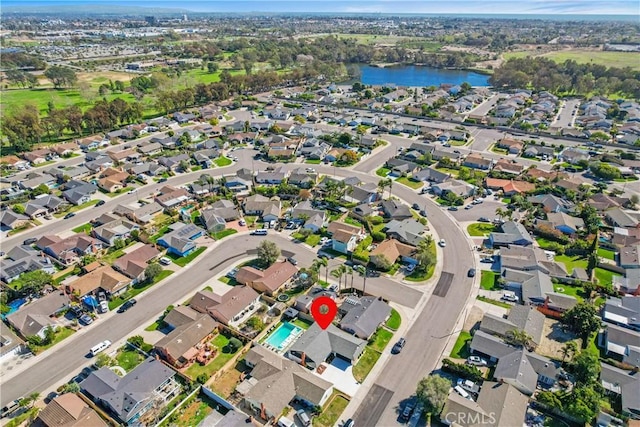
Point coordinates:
[[519, 337], [350, 273], [338, 273], [500, 213], [322, 262], [569, 350]]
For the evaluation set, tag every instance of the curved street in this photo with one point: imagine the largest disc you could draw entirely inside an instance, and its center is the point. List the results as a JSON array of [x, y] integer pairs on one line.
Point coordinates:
[[435, 317]]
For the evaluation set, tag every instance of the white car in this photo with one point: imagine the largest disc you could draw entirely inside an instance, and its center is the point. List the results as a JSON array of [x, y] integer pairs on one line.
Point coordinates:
[[476, 361], [442, 243]]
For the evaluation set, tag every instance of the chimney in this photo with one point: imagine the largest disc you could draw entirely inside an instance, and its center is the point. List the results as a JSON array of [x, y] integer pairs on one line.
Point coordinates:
[[263, 411], [303, 360]]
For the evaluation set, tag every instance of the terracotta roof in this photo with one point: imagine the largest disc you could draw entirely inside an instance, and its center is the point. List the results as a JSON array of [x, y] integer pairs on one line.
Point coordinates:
[[272, 278], [68, 410], [105, 277], [391, 249]]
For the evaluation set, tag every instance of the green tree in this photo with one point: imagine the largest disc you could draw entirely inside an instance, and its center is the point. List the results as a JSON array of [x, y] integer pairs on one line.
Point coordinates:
[[583, 320], [18, 208], [234, 345], [569, 350], [586, 368], [268, 252], [382, 262], [255, 323], [32, 282], [425, 254], [582, 402], [152, 271], [71, 387], [518, 337], [61, 76], [433, 391], [103, 359], [212, 67]]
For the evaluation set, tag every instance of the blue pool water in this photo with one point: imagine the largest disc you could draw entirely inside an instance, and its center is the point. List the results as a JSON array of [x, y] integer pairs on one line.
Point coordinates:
[[278, 338], [14, 306]]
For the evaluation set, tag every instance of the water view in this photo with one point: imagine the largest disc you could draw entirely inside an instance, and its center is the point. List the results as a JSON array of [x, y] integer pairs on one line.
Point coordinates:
[[412, 75]]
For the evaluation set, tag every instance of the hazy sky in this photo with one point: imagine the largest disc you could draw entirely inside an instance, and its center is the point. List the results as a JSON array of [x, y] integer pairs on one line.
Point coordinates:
[[551, 7]]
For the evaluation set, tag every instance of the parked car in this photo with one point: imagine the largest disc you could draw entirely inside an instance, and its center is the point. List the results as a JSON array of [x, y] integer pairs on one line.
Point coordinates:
[[483, 219], [86, 319], [406, 413], [292, 260], [69, 215], [349, 423], [10, 408], [452, 208], [510, 296], [165, 261], [469, 206], [397, 347], [442, 243], [242, 222], [471, 272], [303, 417], [29, 241], [415, 206], [162, 180], [487, 259], [423, 213], [100, 203], [127, 305], [468, 385], [476, 361]]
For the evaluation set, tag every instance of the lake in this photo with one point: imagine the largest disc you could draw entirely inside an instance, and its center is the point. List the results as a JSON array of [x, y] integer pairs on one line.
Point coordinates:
[[414, 75]]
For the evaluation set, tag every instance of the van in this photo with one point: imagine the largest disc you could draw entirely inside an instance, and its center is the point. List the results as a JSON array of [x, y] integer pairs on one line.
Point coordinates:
[[98, 348], [12, 406], [462, 392], [286, 422], [260, 232], [303, 417], [104, 306], [165, 261]]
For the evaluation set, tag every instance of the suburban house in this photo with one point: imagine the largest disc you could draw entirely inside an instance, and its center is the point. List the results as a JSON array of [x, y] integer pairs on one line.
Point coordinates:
[[231, 308], [274, 382], [623, 342], [490, 346], [70, 250], [262, 206], [624, 384], [521, 317], [561, 221], [189, 331], [12, 220], [400, 167], [314, 219], [268, 281], [361, 193], [112, 180], [315, 345], [21, 259], [526, 370], [408, 231], [34, 318], [105, 278], [388, 252], [345, 237], [498, 404], [180, 240], [624, 311], [476, 161], [120, 229], [43, 205], [215, 218], [68, 410], [362, 316], [148, 387], [513, 233], [508, 166], [78, 192], [303, 302], [134, 263], [142, 214], [509, 187], [513, 146], [629, 257], [395, 210], [574, 155], [551, 203], [171, 197], [459, 188], [431, 175]]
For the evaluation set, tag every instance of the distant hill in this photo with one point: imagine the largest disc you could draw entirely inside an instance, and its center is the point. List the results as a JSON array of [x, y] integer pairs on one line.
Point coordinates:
[[91, 10]]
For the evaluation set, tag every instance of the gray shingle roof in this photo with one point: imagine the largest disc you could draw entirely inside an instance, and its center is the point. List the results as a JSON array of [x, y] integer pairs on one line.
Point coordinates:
[[317, 344], [363, 318]]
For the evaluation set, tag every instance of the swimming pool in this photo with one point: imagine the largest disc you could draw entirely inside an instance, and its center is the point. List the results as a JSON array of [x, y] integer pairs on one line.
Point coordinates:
[[283, 336]]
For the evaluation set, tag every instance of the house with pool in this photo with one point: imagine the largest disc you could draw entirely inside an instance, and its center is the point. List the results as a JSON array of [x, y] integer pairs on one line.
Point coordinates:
[[316, 345]]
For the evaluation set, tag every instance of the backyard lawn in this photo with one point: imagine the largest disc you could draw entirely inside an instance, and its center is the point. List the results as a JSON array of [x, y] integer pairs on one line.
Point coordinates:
[[488, 280], [574, 291], [461, 349], [184, 260], [604, 276], [220, 342], [394, 320], [380, 339], [572, 262], [606, 253], [480, 229], [331, 413], [409, 182]]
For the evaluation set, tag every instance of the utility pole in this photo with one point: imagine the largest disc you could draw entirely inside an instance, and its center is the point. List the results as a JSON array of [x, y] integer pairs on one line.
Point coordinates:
[[364, 282]]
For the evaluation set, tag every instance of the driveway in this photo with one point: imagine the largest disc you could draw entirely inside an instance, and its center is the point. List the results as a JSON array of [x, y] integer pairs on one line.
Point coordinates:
[[340, 374]]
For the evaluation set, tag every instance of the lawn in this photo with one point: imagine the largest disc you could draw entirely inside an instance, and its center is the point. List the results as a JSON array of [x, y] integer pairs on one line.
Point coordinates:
[[461, 349], [480, 229], [224, 233], [494, 302], [61, 334], [575, 291], [383, 172], [161, 232], [184, 260], [113, 194], [193, 414], [313, 161], [380, 339], [137, 289], [394, 320], [488, 280], [365, 364], [222, 162], [330, 415], [417, 276], [76, 208], [409, 182], [606, 58], [606, 253], [84, 228], [313, 240], [572, 262], [129, 359], [153, 327], [301, 323], [604, 276], [545, 243]]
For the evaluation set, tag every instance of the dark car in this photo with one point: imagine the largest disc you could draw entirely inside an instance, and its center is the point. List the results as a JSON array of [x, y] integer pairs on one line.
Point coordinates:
[[423, 213], [397, 347], [483, 219], [452, 208], [292, 260], [349, 423], [127, 305], [471, 272], [415, 206], [29, 241], [100, 203], [406, 413], [69, 215], [162, 180]]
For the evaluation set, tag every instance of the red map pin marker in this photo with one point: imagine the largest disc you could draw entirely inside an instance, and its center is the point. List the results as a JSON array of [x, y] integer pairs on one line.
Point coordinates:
[[324, 310]]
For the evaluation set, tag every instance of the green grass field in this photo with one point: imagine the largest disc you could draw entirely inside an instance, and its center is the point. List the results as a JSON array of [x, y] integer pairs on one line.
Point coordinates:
[[460, 349], [409, 183], [480, 229], [608, 59], [488, 280], [394, 320]]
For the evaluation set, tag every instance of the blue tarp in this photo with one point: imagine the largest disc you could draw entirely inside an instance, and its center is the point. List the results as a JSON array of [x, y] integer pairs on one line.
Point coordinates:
[[90, 301]]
